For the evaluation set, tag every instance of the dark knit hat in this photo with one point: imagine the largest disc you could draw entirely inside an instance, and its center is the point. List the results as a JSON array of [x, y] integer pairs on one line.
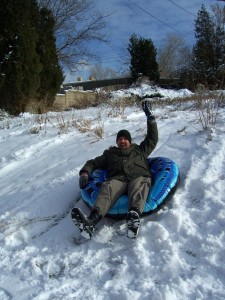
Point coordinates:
[[124, 133]]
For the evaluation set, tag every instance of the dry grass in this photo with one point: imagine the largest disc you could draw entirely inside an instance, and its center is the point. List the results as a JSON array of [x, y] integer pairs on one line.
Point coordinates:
[[99, 130], [206, 104], [82, 125], [208, 110], [118, 106]]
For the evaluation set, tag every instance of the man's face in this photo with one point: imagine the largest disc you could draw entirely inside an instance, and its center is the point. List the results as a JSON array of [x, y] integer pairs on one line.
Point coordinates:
[[123, 143]]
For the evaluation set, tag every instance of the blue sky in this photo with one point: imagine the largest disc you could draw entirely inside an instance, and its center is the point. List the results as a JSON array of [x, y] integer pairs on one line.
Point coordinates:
[[153, 19]]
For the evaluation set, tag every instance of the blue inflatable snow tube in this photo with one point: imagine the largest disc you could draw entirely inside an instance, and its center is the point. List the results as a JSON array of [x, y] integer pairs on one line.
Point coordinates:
[[165, 179]]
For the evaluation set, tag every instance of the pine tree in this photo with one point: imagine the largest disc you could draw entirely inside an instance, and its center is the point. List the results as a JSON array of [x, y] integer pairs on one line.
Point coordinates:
[[208, 52], [20, 65], [51, 76], [143, 58], [29, 67], [219, 50]]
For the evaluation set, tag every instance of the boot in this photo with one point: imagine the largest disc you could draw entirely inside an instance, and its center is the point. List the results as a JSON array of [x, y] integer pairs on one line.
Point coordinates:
[[86, 225], [133, 223]]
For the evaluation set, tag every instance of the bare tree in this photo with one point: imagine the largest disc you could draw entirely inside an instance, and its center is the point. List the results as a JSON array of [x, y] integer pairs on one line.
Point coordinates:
[[172, 56], [218, 14], [77, 24], [99, 72]]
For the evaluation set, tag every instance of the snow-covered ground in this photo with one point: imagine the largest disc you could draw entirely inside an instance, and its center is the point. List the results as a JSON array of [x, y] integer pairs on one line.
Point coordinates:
[[179, 253]]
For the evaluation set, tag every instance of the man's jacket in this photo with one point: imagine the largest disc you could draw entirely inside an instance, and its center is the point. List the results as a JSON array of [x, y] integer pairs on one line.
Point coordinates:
[[126, 164]]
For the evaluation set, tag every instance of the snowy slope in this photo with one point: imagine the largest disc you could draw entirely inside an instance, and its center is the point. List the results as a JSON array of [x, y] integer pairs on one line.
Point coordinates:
[[179, 253]]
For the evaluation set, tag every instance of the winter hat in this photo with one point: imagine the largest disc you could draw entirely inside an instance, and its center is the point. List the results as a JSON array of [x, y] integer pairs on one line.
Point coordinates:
[[124, 133]]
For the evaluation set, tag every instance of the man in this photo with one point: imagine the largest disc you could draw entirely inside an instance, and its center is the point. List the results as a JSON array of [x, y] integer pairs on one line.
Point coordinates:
[[128, 172]]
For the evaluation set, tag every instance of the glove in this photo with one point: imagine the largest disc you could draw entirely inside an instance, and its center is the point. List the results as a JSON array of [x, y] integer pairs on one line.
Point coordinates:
[[147, 108], [83, 181]]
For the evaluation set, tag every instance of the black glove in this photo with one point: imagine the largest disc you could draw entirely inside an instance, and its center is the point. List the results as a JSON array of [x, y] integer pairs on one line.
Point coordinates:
[[147, 108], [83, 181]]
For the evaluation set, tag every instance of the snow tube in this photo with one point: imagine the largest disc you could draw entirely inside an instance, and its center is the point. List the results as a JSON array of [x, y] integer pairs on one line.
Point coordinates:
[[165, 179]]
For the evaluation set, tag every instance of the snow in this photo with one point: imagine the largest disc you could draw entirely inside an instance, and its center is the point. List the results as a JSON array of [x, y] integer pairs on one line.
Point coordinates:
[[179, 252], [145, 89]]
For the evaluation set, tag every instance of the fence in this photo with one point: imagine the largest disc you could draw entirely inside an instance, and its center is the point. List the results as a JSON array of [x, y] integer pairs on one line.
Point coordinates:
[[73, 98]]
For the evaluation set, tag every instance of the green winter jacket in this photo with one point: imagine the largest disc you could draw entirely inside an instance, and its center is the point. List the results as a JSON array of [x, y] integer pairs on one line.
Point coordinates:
[[126, 164]]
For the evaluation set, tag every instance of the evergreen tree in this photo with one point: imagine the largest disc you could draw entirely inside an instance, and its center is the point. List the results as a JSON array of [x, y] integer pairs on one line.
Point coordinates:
[[20, 65], [29, 68], [208, 52], [219, 49], [143, 58], [51, 76]]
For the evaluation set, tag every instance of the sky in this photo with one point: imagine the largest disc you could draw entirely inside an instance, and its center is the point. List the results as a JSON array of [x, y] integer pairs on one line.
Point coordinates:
[[149, 19], [179, 251]]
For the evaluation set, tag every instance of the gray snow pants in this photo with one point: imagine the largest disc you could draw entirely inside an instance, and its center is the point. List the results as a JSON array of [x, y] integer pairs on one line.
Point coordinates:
[[136, 189]]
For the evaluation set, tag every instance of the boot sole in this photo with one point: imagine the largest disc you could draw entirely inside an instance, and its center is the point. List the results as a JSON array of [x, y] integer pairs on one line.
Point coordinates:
[[80, 221], [132, 234], [133, 229]]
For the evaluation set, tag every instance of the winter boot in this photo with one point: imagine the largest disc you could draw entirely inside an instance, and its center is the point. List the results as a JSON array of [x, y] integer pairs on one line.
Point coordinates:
[[133, 224], [85, 225]]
